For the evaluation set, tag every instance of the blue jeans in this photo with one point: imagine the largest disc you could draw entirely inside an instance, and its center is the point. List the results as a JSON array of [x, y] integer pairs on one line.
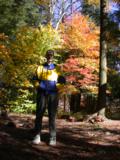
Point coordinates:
[[49, 101]]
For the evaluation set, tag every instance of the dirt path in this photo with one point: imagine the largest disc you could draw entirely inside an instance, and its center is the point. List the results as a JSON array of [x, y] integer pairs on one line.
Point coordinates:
[[75, 140]]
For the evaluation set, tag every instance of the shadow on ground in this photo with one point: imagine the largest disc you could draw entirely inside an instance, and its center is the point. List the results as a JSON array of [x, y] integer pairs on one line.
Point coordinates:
[[74, 142]]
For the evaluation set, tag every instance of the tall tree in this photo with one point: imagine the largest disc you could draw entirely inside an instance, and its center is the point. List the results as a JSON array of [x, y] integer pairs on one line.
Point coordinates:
[[48, 9], [81, 38], [103, 59], [15, 13], [92, 8]]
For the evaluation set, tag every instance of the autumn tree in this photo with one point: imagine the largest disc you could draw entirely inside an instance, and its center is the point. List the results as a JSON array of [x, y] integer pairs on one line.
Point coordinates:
[[6, 65], [30, 45], [48, 7], [26, 52], [81, 38]]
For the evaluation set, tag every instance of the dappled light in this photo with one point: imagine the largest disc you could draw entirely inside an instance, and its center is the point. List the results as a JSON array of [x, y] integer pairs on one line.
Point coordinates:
[[74, 140], [82, 80]]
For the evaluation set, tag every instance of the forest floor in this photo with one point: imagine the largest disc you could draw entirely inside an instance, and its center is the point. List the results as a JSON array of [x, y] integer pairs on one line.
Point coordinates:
[[75, 140]]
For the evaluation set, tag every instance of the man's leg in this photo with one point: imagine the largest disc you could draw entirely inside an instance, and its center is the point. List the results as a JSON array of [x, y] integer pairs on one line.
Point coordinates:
[[52, 110], [40, 109]]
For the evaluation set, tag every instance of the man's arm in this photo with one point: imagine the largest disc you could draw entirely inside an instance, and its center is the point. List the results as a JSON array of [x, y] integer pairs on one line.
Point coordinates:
[[36, 77]]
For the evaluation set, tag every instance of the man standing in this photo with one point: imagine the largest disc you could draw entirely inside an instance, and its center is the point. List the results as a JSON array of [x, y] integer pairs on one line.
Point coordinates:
[[47, 95]]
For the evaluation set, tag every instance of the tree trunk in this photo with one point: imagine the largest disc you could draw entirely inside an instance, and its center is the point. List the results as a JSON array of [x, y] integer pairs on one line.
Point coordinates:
[[103, 63], [50, 11], [75, 103]]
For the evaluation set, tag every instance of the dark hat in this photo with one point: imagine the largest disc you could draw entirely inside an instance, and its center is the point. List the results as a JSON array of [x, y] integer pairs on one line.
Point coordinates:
[[50, 52]]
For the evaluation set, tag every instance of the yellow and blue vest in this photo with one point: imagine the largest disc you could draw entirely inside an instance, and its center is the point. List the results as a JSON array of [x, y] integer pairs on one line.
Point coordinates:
[[48, 75]]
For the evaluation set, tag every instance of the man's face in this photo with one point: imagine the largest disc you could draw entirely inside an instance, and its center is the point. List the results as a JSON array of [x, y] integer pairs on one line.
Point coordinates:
[[49, 58]]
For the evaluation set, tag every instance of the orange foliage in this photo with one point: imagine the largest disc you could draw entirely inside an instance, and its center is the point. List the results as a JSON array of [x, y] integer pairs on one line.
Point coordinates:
[[81, 33], [81, 37], [80, 71]]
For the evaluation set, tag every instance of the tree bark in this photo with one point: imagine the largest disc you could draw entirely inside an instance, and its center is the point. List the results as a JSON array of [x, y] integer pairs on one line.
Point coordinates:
[[75, 103], [103, 62]]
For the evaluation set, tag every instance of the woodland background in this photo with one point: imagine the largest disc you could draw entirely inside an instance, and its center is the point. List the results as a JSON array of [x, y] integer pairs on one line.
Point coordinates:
[[86, 38]]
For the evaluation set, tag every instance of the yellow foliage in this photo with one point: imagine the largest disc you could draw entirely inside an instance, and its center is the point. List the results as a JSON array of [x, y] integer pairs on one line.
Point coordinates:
[[27, 50], [26, 83], [92, 89], [6, 66], [94, 2], [67, 89], [33, 42], [36, 84], [43, 2]]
